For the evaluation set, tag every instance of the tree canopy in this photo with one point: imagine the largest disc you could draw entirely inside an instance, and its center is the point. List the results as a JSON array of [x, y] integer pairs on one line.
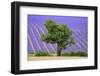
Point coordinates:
[[58, 33]]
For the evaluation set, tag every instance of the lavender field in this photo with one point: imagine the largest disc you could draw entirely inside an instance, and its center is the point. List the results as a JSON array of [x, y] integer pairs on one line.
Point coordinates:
[[36, 28]]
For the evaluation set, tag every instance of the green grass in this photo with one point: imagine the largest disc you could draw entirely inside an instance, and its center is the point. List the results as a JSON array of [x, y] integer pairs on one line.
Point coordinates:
[[81, 54], [42, 54], [78, 53]]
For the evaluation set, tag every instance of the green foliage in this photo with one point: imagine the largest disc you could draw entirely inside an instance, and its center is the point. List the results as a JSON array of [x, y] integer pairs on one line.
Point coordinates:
[[58, 33], [31, 53], [42, 54], [83, 54]]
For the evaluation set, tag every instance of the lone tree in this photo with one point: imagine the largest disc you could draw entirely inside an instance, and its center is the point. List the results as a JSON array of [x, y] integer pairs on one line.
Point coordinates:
[[58, 33]]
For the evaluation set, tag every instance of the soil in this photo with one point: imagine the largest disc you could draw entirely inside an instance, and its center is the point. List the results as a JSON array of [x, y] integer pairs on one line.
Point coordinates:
[[34, 58]]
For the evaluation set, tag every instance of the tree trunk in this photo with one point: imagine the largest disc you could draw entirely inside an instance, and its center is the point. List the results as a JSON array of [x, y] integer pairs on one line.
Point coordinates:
[[59, 51]]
